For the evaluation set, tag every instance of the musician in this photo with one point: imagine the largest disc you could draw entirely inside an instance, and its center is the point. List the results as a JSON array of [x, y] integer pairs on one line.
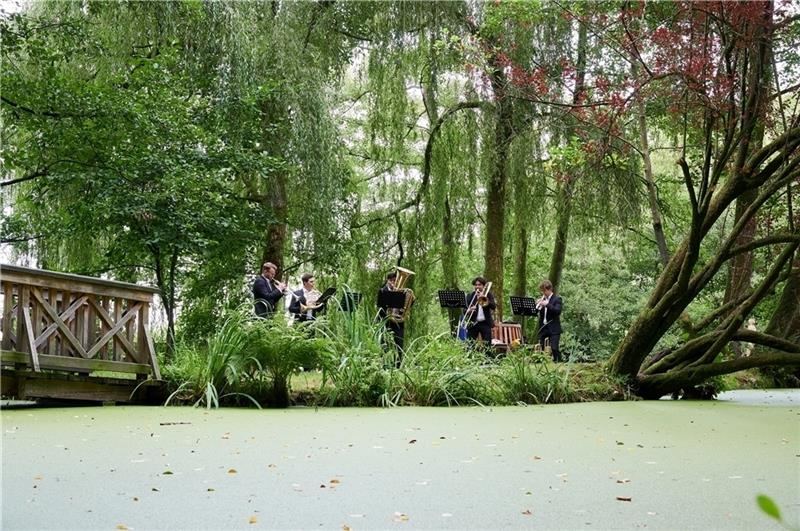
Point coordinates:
[[549, 308], [267, 291], [396, 329], [479, 319], [304, 301]]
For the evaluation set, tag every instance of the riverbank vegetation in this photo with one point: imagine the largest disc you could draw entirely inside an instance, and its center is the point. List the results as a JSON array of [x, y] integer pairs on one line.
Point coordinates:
[[644, 156]]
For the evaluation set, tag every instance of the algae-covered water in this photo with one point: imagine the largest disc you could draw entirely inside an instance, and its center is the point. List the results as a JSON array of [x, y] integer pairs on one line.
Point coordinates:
[[657, 465]]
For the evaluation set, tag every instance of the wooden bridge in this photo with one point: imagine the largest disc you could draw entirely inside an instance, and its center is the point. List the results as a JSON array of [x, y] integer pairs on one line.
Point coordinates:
[[68, 336]]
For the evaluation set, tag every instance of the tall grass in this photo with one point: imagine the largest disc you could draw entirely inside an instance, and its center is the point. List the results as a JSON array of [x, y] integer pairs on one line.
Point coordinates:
[[527, 377], [209, 373]]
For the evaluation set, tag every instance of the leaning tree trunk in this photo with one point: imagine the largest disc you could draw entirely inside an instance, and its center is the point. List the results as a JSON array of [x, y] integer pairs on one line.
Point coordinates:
[[767, 171]]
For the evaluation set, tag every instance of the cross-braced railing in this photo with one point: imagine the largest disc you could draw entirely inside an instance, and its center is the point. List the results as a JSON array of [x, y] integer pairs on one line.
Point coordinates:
[[75, 323]]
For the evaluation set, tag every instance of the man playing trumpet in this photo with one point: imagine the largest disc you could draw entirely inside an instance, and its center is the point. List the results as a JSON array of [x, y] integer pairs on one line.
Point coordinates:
[[478, 317], [304, 305], [267, 291], [549, 308]]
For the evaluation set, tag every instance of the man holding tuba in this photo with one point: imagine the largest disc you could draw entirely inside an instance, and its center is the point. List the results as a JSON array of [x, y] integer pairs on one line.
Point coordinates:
[[395, 317], [478, 317]]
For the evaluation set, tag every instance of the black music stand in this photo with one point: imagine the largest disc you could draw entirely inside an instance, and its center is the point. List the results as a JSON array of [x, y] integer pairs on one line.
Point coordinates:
[[525, 306], [350, 299], [452, 298], [391, 299], [327, 294]]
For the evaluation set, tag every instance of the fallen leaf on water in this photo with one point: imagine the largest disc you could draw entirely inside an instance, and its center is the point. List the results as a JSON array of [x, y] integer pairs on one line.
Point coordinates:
[[210, 489], [624, 498], [623, 481], [135, 498], [37, 478], [527, 512], [231, 471], [335, 481], [345, 527], [167, 472], [122, 526], [226, 435], [322, 486], [253, 520], [536, 458], [155, 489], [400, 517], [412, 441], [272, 465]]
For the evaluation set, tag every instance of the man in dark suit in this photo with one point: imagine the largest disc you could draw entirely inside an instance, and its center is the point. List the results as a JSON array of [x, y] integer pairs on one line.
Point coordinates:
[[396, 328], [304, 301], [549, 308], [267, 291], [479, 319]]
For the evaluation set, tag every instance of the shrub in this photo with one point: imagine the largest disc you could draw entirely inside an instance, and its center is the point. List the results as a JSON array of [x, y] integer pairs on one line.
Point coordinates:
[[206, 375], [276, 350]]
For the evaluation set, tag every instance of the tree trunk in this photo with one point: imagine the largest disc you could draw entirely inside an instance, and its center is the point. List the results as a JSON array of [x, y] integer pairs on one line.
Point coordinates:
[[520, 259], [564, 194], [740, 270], [652, 197], [496, 190], [563, 218]]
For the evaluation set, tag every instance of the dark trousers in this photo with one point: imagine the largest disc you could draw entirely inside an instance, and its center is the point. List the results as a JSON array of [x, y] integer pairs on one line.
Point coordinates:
[[398, 331], [481, 328], [554, 339]]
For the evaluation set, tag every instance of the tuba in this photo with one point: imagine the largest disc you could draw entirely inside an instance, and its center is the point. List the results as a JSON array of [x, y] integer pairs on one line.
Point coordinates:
[[399, 315]]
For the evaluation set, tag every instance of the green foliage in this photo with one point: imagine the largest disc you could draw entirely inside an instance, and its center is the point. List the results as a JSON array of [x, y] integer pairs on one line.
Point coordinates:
[[277, 350], [209, 374], [527, 377], [438, 371]]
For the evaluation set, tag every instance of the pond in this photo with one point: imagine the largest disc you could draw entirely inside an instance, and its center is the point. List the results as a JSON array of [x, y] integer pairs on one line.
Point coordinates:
[[660, 465]]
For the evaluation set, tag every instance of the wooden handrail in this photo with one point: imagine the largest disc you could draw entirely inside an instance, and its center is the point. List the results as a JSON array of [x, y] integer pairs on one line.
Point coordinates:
[[76, 323]]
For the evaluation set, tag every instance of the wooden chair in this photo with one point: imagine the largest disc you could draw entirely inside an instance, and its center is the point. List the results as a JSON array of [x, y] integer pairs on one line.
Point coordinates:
[[506, 336]]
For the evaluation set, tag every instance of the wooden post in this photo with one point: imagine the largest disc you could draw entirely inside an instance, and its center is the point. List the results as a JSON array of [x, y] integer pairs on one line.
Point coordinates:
[[8, 305], [22, 305]]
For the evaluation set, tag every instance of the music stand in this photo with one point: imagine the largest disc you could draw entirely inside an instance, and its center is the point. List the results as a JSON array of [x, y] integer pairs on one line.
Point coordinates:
[[350, 300], [525, 306], [391, 299], [452, 298], [327, 294]]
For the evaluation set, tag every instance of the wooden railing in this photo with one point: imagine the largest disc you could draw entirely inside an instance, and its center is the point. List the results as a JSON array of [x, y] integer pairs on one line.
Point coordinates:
[[74, 323]]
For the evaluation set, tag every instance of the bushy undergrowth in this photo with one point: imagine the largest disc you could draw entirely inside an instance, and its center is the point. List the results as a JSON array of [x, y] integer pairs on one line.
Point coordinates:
[[252, 360]]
